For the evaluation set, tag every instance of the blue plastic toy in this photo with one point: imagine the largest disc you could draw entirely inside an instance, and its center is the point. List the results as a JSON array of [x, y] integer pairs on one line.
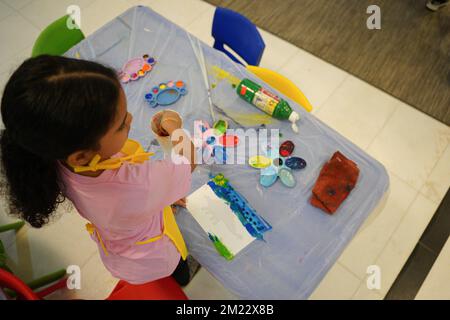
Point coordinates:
[[238, 33], [166, 93]]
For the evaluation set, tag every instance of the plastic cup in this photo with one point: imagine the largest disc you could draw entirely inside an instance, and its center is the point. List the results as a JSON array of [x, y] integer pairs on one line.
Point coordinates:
[[164, 141]]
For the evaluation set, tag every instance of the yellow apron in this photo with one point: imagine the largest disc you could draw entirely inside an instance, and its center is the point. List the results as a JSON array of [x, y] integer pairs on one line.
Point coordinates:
[[170, 230], [135, 154]]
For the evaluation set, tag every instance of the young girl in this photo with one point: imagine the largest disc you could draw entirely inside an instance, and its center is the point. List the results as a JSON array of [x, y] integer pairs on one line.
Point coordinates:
[[66, 130]]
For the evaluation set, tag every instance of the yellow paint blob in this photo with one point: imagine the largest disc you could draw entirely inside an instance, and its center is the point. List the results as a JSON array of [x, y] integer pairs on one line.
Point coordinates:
[[259, 162]]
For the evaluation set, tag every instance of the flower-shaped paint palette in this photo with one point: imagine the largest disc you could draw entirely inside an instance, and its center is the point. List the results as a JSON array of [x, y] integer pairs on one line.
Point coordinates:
[[213, 140], [166, 93], [136, 68], [278, 163]]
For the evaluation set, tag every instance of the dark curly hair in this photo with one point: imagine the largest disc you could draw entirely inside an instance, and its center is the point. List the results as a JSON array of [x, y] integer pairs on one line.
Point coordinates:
[[51, 107]]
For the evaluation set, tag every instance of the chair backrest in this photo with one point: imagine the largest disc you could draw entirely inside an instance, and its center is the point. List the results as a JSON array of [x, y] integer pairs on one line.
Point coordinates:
[[240, 34], [57, 38], [10, 281], [282, 84], [162, 289]]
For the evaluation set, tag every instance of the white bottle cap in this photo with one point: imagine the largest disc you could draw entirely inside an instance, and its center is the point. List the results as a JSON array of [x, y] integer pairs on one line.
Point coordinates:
[[294, 117]]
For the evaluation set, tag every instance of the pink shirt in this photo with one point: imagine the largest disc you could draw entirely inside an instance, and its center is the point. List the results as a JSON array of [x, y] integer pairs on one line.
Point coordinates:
[[125, 205]]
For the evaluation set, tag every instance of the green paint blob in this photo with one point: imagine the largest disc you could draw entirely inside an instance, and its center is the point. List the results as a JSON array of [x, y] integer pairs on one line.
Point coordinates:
[[220, 247], [220, 180], [220, 127]]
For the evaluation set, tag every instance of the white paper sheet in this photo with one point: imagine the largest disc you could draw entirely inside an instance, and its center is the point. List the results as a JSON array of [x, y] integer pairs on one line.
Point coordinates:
[[216, 217]]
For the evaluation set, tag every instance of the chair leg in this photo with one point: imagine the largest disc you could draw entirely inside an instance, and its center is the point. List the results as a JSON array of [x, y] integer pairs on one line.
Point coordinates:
[[3, 258], [12, 226], [47, 279], [62, 283], [43, 281]]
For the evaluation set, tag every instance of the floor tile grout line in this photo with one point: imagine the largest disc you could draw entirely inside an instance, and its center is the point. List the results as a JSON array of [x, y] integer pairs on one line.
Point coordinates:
[[432, 225], [198, 15], [356, 290], [421, 187], [413, 187], [390, 236], [12, 67], [394, 231], [432, 200], [375, 292], [28, 20], [9, 14], [435, 164], [347, 76], [288, 58], [391, 115], [89, 258], [431, 172], [189, 23], [196, 19], [18, 13], [405, 268], [399, 224], [361, 281], [18, 9], [349, 270], [11, 7]]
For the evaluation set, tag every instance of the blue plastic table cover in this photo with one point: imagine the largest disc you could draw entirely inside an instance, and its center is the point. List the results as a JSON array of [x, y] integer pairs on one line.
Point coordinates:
[[305, 242]]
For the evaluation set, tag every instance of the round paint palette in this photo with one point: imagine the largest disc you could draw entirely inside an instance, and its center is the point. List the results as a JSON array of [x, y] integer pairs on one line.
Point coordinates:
[[166, 93], [279, 163], [136, 68]]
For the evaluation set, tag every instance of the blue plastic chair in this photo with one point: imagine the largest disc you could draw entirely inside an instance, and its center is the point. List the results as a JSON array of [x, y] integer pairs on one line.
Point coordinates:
[[238, 33]]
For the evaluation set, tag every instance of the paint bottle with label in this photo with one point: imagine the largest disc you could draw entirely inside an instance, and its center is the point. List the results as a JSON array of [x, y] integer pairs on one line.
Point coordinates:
[[267, 102]]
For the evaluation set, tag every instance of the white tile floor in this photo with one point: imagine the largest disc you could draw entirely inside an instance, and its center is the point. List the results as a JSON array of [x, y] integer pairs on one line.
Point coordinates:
[[413, 147]]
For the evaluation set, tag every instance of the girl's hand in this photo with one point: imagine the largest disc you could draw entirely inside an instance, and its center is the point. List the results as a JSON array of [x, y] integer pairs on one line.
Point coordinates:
[[180, 203], [164, 123]]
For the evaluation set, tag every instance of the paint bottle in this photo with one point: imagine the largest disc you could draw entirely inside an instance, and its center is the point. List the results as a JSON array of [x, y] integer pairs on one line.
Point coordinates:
[[267, 102]]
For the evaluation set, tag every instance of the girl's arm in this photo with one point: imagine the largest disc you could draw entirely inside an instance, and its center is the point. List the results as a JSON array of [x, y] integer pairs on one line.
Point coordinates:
[[188, 153]]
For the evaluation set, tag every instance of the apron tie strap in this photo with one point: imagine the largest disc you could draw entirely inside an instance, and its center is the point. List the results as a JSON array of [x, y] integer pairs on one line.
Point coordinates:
[[91, 229], [133, 151], [171, 230]]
